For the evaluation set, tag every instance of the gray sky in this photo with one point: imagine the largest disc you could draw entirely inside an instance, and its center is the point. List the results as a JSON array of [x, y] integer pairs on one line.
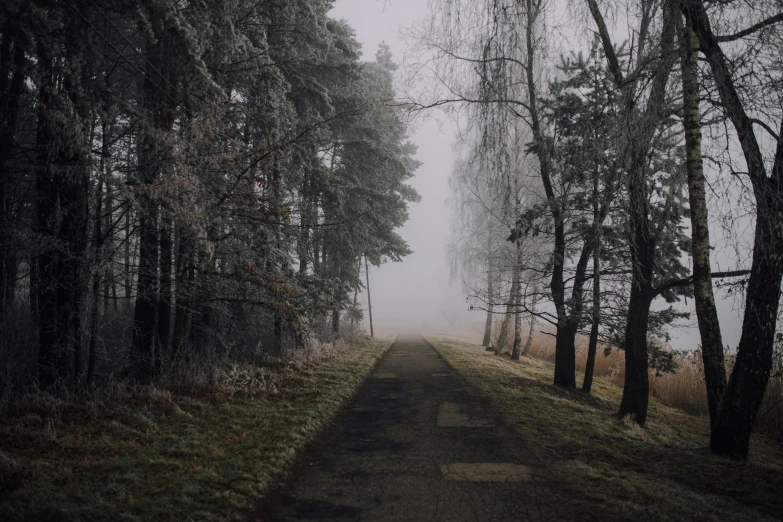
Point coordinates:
[[417, 293]]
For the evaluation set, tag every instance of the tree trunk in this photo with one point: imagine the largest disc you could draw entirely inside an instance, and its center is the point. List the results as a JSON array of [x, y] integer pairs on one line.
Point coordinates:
[[108, 241], [516, 347], [97, 269], [128, 283], [501, 345], [592, 347], [748, 382], [12, 76], [146, 310], [636, 387], [166, 294], [369, 299], [641, 130], [61, 183], [160, 104], [304, 228], [184, 285], [565, 354], [530, 331], [706, 312], [490, 307], [336, 321], [47, 228]]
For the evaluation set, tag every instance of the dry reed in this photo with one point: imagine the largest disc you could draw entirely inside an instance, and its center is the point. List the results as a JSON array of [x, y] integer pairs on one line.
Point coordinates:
[[684, 389]]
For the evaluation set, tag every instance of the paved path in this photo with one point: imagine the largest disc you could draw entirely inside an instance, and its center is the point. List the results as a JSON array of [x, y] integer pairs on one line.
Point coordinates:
[[416, 444]]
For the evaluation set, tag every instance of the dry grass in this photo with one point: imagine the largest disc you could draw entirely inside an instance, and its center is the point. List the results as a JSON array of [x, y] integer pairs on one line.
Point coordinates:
[[610, 366], [610, 467], [684, 389], [192, 452]]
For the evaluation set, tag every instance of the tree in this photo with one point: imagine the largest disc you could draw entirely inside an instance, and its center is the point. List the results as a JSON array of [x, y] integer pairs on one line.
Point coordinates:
[[740, 400]]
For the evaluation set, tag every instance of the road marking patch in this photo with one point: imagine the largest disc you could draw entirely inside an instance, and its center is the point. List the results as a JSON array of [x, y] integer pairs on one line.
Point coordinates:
[[384, 375], [486, 472], [451, 415]]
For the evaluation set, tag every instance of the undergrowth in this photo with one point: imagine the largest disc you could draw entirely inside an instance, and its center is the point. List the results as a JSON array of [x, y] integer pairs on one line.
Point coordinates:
[[199, 449]]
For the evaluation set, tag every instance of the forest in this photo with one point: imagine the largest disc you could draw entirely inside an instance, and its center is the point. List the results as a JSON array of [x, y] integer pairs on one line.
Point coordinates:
[[193, 195], [183, 184]]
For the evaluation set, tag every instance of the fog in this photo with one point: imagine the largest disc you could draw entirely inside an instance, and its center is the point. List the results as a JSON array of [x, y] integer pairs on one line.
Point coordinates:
[[417, 294]]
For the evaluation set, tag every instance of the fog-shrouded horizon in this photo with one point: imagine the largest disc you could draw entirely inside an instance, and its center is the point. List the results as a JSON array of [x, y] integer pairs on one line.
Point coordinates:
[[417, 294]]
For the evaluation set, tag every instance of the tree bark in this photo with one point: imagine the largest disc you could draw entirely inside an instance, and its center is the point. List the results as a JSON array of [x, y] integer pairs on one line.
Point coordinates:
[[501, 345], [490, 307], [531, 329], [516, 347], [97, 269], [592, 347], [706, 311], [12, 76], [47, 228], [184, 284], [166, 294], [369, 299], [336, 321]]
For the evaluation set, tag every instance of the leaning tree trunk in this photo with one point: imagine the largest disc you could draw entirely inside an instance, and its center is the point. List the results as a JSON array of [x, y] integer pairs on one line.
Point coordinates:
[[750, 375], [369, 298], [706, 311]]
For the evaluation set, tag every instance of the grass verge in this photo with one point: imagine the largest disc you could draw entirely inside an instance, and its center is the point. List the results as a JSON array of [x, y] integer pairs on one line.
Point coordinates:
[[157, 454], [612, 468]]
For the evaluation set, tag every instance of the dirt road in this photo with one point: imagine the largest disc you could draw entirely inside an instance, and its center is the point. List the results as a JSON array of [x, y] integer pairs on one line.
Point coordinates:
[[418, 444]]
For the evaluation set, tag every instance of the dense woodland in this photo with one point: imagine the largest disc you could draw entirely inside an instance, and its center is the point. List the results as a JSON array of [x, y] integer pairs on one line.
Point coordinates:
[[590, 181], [185, 183]]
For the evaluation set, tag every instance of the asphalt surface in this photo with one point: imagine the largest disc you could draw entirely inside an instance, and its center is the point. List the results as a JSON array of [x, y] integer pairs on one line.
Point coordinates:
[[418, 444]]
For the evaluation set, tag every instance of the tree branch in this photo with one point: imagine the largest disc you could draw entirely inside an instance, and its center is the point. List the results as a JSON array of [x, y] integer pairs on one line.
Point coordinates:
[[687, 281], [772, 20]]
